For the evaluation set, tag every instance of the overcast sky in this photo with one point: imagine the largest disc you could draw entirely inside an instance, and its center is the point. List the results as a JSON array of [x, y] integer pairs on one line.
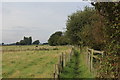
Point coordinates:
[[36, 19]]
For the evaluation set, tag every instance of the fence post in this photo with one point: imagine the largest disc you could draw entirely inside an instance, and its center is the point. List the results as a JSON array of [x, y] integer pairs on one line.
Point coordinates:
[[89, 59], [72, 52], [69, 57], [66, 57], [58, 71], [64, 61], [102, 54], [55, 75], [91, 67], [60, 64]]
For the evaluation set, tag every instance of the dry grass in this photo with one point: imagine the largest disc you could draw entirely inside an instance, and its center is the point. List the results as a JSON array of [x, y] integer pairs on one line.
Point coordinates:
[[26, 62]]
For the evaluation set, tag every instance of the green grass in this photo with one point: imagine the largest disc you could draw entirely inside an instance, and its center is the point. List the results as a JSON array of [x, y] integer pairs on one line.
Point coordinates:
[[77, 67], [18, 62]]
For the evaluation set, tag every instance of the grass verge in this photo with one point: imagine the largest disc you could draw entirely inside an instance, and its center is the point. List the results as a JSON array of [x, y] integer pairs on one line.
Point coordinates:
[[77, 67]]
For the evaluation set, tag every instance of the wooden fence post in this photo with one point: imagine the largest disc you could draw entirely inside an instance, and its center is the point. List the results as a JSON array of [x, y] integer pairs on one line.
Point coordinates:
[[91, 63], [89, 58], [64, 61], [69, 57], [102, 54], [58, 72], [72, 52], [55, 75], [60, 64]]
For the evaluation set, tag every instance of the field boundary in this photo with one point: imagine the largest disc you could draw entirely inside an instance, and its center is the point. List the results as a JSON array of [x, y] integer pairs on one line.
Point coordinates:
[[91, 55], [63, 60]]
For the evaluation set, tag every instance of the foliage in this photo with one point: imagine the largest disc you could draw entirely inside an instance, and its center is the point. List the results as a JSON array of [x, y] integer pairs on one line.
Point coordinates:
[[17, 43], [57, 38], [2, 43], [45, 44], [36, 42], [76, 22], [54, 38], [63, 40], [111, 13], [25, 41], [98, 28], [85, 28]]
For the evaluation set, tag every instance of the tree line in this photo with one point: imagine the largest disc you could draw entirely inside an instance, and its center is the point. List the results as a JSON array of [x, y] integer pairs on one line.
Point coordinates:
[[98, 28], [27, 41], [58, 38]]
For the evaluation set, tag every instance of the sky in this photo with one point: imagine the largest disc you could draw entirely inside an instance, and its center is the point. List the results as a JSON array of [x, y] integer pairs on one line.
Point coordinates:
[[36, 19]]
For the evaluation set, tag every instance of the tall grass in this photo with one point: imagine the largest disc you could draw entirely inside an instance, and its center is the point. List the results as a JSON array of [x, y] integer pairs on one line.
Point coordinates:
[[25, 63]]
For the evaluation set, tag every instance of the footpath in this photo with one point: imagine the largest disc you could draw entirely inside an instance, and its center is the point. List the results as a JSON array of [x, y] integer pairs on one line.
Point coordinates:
[[77, 67]]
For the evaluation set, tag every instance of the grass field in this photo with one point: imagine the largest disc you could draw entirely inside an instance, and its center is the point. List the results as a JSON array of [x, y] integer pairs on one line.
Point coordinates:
[[30, 61]]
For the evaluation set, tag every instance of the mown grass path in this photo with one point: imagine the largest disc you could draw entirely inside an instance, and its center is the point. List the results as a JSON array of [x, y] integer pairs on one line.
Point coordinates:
[[77, 67]]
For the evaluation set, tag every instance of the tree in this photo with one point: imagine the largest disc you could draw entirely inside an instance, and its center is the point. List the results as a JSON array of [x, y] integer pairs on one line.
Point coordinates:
[[36, 42], [58, 38], [45, 44], [76, 22], [86, 28], [63, 40], [2, 43], [111, 13], [17, 43], [54, 38], [25, 41], [93, 34], [22, 42], [98, 29], [30, 40]]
